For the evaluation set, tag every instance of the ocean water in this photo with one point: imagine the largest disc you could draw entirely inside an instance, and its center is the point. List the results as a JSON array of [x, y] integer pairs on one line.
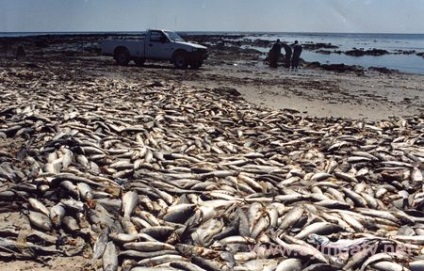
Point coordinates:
[[395, 44], [409, 63]]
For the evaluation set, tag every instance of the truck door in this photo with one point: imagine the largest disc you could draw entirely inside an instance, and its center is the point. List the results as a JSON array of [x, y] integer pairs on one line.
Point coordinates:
[[159, 46]]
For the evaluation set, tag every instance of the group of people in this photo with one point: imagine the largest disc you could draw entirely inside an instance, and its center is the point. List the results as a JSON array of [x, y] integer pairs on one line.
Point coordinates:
[[291, 59]]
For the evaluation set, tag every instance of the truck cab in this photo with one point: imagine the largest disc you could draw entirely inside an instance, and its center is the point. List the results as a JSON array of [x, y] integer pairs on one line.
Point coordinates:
[[159, 45], [156, 45]]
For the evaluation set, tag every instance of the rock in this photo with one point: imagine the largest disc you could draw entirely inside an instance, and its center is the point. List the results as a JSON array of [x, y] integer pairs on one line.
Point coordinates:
[[361, 52], [226, 91], [382, 70], [20, 52], [341, 68]]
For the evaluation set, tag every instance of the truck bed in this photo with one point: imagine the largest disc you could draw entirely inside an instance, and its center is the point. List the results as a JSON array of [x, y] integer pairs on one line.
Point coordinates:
[[136, 46]]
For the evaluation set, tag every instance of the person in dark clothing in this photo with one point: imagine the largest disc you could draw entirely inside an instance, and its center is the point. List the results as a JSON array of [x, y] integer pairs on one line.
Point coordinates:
[[297, 50], [274, 53], [288, 55]]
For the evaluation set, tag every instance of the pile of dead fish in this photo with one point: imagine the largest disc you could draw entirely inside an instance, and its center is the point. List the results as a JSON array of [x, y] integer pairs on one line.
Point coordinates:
[[155, 176]]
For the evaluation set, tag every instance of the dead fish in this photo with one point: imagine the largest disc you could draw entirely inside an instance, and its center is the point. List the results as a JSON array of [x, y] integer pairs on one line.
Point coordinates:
[[110, 257], [129, 202], [305, 251], [67, 158], [148, 246], [416, 265], [128, 225], [85, 191], [289, 264], [291, 218], [376, 258], [124, 237], [210, 264], [56, 214], [206, 233], [243, 225], [182, 265], [158, 268], [318, 228], [38, 206], [99, 246], [260, 265], [416, 176], [360, 256], [236, 239], [358, 159], [181, 167], [39, 220], [179, 213], [160, 260], [355, 197], [388, 266], [159, 232], [73, 204], [379, 214], [320, 176], [261, 225], [70, 187], [345, 176], [83, 161], [70, 224]]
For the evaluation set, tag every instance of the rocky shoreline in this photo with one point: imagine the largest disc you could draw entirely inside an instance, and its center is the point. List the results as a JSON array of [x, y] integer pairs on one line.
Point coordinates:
[[222, 46], [237, 40]]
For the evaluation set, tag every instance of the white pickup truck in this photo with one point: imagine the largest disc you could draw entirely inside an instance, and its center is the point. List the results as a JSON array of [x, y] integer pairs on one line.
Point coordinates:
[[156, 45]]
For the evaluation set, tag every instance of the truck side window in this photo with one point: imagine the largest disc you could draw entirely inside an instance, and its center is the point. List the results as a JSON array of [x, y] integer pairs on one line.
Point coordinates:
[[156, 36]]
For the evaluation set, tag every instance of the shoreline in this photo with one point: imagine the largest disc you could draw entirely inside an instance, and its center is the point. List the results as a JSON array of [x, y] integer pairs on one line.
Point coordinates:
[[317, 90], [236, 43], [371, 96]]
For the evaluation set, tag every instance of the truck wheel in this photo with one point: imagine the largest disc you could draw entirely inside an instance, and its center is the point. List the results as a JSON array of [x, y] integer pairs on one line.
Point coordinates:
[[139, 61], [121, 56], [196, 65], [180, 61]]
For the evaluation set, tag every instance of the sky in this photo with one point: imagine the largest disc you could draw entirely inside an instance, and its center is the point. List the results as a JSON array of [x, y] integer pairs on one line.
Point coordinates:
[[349, 16]]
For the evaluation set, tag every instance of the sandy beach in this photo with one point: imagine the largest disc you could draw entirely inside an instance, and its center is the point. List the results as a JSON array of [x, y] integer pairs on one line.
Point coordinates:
[[311, 93], [369, 95], [316, 93]]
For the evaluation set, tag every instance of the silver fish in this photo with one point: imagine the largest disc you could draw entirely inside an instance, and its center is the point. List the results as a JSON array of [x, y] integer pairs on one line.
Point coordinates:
[[129, 202], [110, 257], [39, 220]]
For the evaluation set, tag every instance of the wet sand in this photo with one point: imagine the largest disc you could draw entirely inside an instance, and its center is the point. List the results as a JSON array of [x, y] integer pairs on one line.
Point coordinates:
[[317, 93]]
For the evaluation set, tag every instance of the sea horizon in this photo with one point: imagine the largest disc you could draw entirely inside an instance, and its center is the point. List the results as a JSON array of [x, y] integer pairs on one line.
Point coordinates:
[[36, 33]]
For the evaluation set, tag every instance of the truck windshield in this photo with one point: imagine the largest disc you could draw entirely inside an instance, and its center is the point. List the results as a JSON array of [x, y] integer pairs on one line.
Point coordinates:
[[173, 36]]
